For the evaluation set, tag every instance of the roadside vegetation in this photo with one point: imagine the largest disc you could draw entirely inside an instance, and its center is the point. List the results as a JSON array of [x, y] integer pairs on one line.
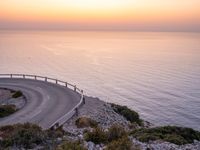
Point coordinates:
[[17, 94], [84, 122], [129, 114], [123, 143], [172, 134], [25, 135], [71, 145], [28, 136], [6, 110], [116, 138]]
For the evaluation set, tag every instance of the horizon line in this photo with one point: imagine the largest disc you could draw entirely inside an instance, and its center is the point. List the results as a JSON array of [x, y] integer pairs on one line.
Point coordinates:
[[97, 30]]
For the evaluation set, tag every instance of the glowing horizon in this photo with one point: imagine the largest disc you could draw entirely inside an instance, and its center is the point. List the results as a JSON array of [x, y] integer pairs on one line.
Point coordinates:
[[104, 14]]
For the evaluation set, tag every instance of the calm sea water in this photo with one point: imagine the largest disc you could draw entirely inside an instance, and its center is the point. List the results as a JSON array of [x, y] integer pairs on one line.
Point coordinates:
[[156, 74]]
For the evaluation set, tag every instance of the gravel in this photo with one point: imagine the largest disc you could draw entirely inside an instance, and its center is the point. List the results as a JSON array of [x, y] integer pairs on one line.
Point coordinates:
[[99, 111]]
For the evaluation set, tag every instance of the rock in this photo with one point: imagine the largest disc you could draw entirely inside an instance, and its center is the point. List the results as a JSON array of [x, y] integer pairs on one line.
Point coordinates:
[[91, 146], [80, 136], [85, 144], [59, 140], [196, 142], [39, 148], [97, 147]]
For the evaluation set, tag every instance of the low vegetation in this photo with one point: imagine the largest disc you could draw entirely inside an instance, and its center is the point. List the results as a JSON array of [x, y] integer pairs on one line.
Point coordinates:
[[17, 94], [97, 136], [6, 110], [27, 136], [71, 145], [115, 132], [84, 122], [22, 135], [116, 138], [123, 143], [173, 134], [129, 114]]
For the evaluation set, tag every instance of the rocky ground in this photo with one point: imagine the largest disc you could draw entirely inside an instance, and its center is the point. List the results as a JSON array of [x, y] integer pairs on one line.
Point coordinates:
[[7, 99], [103, 113], [5, 94], [99, 111], [160, 145]]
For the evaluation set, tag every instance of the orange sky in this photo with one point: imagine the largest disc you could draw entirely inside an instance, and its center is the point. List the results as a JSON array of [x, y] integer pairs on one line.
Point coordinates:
[[101, 14]]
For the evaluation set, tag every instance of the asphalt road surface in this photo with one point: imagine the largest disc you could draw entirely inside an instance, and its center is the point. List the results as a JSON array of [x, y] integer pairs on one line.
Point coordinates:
[[46, 102]]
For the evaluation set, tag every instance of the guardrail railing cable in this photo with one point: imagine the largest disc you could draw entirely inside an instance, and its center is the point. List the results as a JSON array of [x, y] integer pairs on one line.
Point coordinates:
[[67, 116]]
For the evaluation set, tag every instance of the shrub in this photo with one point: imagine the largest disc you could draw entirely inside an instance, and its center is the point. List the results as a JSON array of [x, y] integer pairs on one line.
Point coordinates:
[[22, 135], [97, 136], [17, 94], [53, 134], [123, 143], [129, 114], [115, 132], [176, 139], [173, 134], [67, 145], [85, 122], [6, 110]]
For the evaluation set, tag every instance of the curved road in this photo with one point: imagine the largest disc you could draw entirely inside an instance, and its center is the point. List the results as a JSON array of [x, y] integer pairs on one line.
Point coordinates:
[[46, 102]]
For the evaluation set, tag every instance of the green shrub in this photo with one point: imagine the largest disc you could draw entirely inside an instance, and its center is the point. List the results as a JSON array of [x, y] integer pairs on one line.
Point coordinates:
[[17, 94], [67, 145], [173, 134], [174, 138], [83, 122], [22, 135], [97, 136], [123, 143], [129, 114], [53, 134], [115, 132], [6, 110]]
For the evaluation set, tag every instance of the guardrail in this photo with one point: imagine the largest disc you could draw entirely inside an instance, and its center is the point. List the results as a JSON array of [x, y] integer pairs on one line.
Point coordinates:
[[67, 116]]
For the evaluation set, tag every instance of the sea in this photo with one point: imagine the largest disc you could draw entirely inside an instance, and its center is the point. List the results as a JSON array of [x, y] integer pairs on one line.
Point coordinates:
[[156, 74]]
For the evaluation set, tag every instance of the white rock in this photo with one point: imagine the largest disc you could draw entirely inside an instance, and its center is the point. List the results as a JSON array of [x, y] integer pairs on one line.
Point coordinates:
[[80, 136], [90, 146]]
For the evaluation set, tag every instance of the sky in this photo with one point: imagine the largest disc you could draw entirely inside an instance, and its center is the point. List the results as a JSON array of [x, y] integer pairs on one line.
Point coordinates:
[[136, 15]]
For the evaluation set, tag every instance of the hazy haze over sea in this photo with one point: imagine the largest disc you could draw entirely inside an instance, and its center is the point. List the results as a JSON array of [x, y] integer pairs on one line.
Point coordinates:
[[156, 74]]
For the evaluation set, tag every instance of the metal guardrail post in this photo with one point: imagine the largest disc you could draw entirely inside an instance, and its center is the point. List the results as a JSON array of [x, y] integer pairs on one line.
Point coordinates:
[[35, 77], [83, 100], [82, 96], [76, 111], [66, 84], [75, 88], [45, 79], [10, 75], [56, 81], [23, 76]]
